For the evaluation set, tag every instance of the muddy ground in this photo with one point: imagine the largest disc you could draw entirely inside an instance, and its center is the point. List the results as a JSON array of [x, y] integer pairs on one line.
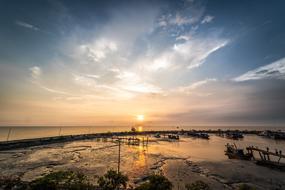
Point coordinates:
[[183, 162]]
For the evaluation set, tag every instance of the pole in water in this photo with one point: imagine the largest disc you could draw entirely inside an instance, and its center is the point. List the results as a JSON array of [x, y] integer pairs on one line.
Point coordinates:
[[59, 133], [8, 135], [119, 156]]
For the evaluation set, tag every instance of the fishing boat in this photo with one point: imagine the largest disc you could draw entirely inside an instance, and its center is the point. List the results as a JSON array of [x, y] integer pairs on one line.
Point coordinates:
[[235, 153], [277, 135], [198, 135], [175, 137], [203, 135], [157, 135], [234, 135]]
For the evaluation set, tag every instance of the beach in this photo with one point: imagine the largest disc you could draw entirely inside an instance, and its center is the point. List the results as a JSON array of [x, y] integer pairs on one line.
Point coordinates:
[[181, 161]]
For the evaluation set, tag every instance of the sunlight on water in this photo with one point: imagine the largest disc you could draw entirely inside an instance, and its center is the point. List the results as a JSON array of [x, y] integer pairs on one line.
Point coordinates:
[[140, 129]]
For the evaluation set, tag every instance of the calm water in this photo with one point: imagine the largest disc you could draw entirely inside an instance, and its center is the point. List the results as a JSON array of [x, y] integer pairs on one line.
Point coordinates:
[[15, 133]]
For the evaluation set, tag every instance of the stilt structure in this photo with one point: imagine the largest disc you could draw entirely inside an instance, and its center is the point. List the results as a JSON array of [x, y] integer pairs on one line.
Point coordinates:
[[8, 135], [132, 140], [268, 158]]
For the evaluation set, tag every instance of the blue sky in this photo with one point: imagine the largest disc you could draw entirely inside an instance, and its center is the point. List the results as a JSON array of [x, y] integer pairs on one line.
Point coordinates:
[[187, 62]]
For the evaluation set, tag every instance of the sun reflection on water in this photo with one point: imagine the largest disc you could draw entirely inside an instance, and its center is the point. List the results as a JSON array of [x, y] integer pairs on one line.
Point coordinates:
[[141, 160], [140, 128]]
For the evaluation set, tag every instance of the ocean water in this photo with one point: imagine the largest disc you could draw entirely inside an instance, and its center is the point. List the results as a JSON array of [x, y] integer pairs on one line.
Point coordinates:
[[27, 132]]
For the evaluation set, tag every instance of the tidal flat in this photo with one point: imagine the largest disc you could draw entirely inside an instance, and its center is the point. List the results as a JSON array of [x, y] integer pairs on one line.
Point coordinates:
[[181, 161]]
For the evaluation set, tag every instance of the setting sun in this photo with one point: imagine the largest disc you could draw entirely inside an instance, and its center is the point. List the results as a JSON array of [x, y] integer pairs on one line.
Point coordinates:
[[140, 117]]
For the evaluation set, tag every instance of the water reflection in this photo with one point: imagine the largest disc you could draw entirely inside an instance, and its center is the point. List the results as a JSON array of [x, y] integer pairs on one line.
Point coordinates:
[[141, 159], [140, 128]]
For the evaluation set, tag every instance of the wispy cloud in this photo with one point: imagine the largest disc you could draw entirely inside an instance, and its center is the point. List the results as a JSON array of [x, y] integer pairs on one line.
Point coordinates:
[[274, 70], [27, 25], [178, 20], [99, 50], [127, 84], [196, 85], [182, 20], [207, 19], [189, 14], [36, 72], [53, 90], [191, 53], [194, 52]]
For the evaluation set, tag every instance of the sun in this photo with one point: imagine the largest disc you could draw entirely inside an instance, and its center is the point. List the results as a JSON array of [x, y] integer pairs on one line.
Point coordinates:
[[140, 118]]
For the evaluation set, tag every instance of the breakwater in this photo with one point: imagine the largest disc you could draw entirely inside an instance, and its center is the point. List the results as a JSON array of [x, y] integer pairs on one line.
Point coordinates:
[[25, 143]]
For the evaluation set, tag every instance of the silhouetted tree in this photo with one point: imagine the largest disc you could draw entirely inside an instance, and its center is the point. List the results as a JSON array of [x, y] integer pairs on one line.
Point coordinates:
[[197, 185], [62, 180], [113, 181], [8, 183], [246, 187], [156, 182]]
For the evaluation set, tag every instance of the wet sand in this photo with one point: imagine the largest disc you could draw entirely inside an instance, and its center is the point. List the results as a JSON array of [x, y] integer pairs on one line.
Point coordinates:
[[181, 161]]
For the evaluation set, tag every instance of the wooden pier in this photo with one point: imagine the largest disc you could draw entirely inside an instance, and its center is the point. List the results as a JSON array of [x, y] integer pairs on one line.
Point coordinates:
[[132, 140], [266, 157]]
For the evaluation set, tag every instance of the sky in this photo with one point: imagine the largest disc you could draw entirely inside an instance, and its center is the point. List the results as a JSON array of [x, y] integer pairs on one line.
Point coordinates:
[[191, 62]]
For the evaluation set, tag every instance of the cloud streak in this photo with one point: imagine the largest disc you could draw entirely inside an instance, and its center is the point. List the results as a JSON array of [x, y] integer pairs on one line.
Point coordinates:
[[195, 85], [194, 52], [27, 25], [275, 70], [207, 19]]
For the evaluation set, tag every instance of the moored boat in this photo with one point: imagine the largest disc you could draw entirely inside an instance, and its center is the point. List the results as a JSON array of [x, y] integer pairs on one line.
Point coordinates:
[[172, 136], [235, 153], [234, 135]]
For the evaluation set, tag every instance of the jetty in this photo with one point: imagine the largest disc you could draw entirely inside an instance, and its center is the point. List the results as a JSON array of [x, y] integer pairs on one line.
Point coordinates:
[[25, 143], [132, 140], [267, 157]]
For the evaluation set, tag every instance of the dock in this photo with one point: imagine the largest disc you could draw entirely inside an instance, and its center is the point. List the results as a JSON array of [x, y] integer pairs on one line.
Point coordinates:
[[266, 157], [132, 140]]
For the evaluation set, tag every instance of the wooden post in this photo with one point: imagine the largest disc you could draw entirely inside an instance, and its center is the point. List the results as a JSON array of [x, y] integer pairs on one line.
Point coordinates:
[[119, 156], [268, 157], [261, 156], [59, 133], [252, 154], [8, 135]]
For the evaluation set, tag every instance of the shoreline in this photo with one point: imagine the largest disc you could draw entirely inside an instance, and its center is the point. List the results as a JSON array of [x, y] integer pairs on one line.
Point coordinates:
[[25, 143]]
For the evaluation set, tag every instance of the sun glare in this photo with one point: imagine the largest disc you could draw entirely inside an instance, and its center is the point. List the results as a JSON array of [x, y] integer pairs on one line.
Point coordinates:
[[140, 117]]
